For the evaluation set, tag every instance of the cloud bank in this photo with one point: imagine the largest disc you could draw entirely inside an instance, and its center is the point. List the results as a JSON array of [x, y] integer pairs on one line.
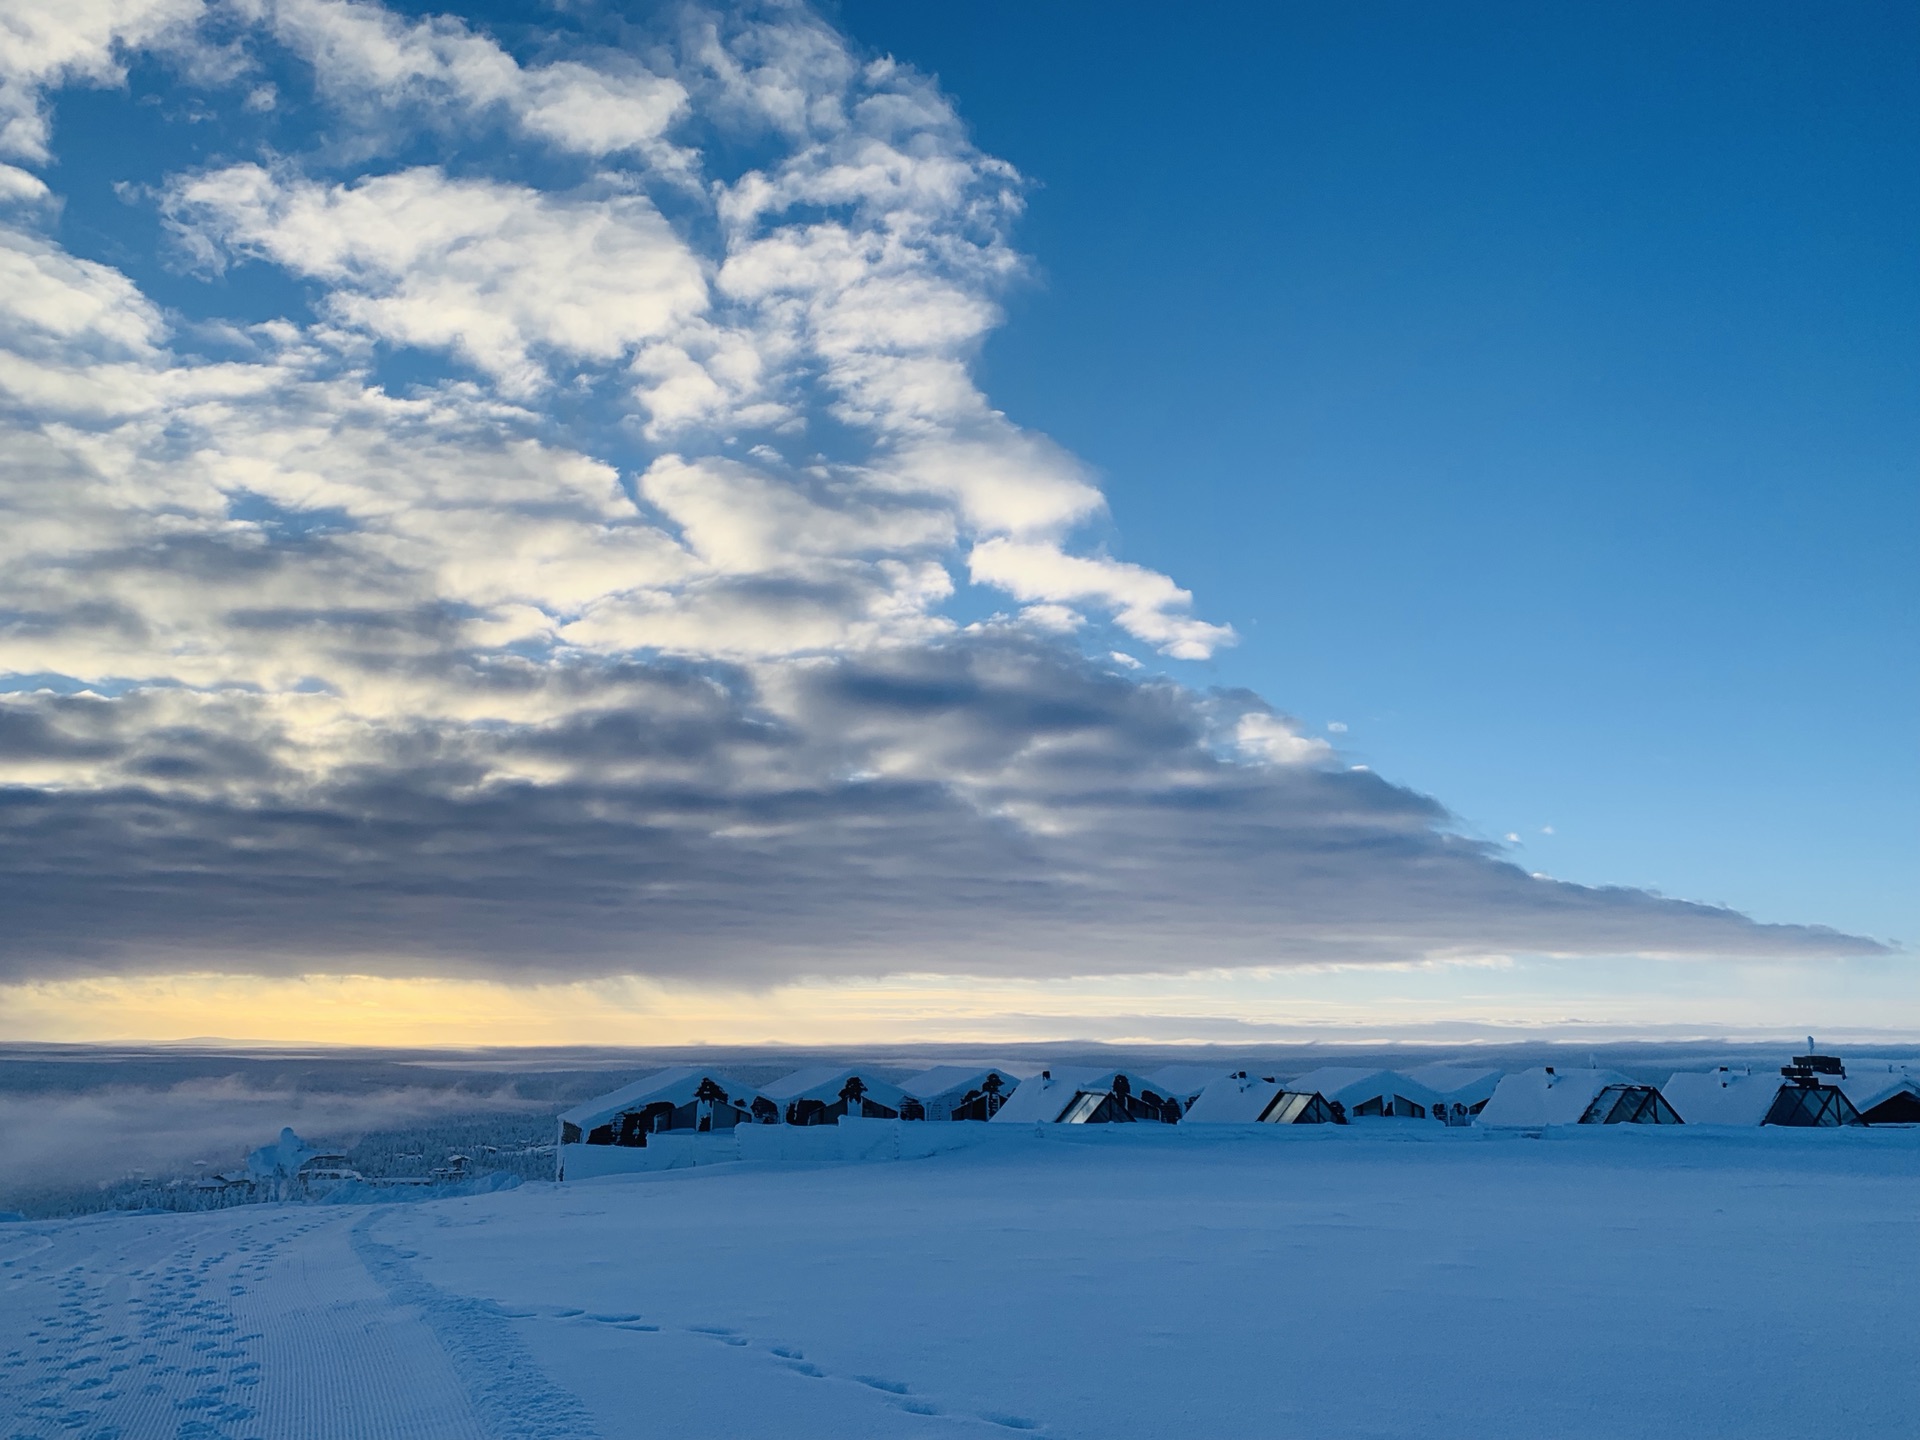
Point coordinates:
[[535, 535]]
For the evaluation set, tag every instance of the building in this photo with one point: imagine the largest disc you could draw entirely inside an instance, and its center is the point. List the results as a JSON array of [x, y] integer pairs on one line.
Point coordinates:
[[1185, 1082], [1243, 1099], [1356, 1092], [1806, 1094], [1462, 1090], [958, 1092], [687, 1098], [821, 1094], [1885, 1092], [1552, 1096], [1088, 1097]]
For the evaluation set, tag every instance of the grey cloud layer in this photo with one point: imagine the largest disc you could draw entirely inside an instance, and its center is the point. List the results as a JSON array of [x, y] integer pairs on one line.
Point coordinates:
[[438, 680]]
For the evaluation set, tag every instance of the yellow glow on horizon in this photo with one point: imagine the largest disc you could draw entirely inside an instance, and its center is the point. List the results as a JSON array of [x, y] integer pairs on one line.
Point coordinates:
[[1220, 1007]]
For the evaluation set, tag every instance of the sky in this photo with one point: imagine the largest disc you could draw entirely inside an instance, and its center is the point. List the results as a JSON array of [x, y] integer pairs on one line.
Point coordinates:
[[673, 524]]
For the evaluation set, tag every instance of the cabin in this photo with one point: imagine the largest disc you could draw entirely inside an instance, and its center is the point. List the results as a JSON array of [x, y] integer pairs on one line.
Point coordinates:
[[1243, 1099], [1552, 1096], [1885, 1092], [1185, 1082], [1088, 1097], [1356, 1092], [958, 1092], [687, 1098], [1805, 1095], [1462, 1091], [821, 1094]]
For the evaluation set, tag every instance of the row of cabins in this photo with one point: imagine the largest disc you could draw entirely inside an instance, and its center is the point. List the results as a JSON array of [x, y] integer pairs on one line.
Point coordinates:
[[1815, 1090]]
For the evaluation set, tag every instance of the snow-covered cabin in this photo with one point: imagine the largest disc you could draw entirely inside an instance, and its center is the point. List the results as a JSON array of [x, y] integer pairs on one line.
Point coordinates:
[[1795, 1097], [1885, 1092], [958, 1092], [821, 1094], [1185, 1082], [1462, 1090], [1552, 1096], [686, 1098], [1361, 1093], [1243, 1099], [1079, 1096]]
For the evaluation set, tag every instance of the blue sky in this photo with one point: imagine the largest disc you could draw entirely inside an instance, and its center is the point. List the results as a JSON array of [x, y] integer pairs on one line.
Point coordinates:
[[756, 523], [1536, 389]]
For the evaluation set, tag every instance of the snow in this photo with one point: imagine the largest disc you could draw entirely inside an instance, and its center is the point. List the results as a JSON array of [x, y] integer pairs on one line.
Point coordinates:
[[1722, 1097], [1236, 1100], [1127, 1282], [951, 1082], [1353, 1086], [1183, 1082], [1868, 1082], [1465, 1085], [680, 1085], [1042, 1098], [1549, 1097], [825, 1082]]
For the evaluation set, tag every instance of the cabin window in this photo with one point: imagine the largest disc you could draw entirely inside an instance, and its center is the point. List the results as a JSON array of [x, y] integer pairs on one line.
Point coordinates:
[[1630, 1105], [1811, 1105], [1291, 1107]]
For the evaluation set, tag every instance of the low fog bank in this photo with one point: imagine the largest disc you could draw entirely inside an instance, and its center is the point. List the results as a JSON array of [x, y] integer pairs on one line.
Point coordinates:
[[81, 1126]]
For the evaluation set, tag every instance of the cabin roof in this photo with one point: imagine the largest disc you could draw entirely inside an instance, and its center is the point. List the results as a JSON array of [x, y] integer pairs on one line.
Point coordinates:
[[824, 1082], [1725, 1096], [1556, 1097], [1869, 1082], [678, 1085], [1353, 1084], [955, 1080], [1233, 1100], [1458, 1084], [1041, 1098], [1184, 1081]]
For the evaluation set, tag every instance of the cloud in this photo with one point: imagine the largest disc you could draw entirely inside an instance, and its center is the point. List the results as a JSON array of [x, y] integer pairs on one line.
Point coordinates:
[[1146, 604], [561, 579], [498, 274]]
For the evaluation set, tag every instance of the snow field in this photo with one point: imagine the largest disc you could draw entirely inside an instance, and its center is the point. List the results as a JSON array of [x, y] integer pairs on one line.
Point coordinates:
[[1402, 1281]]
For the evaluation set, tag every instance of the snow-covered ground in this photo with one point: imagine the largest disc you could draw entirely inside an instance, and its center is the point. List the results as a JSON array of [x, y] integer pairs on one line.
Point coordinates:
[[1388, 1280]]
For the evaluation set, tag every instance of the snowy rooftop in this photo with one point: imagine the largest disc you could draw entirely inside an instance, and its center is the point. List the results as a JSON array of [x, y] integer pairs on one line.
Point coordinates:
[[1722, 1097], [1549, 1097], [1041, 1098], [678, 1085], [955, 1080], [1353, 1085], [825, 1082], [1234, 1100], [1458, 1084]]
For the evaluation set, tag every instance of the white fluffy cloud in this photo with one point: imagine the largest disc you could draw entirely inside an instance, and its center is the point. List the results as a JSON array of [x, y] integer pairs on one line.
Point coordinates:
[[501, 275]]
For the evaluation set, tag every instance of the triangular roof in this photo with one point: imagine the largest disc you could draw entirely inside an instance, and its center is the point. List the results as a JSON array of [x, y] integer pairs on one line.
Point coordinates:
[[1233, 1100], [1041, 1098], [1724, 1096], [1549, 1097], [1869, 1082], [1458, 1084], [677, 1085], [1183, 1082], [945, 1080], [1353, 1085], [824, 1082]]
